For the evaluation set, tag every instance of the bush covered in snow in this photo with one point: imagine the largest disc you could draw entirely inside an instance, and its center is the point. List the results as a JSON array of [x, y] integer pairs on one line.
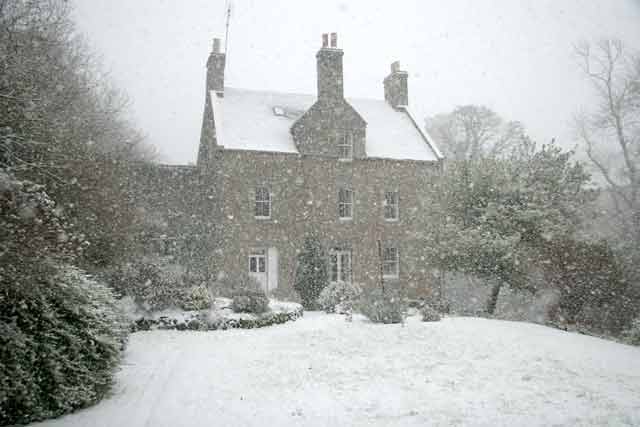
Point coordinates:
[[197, 298], [632, 334], [429, 313], [339, 297], [60, 345], [311, 272], [60, 331], [154, 283], [383, 306], [250, 301], [219, 317]]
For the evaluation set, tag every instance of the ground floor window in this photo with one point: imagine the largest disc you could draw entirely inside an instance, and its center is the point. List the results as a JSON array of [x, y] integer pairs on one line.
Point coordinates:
[[390, 263], [340, 260], [258, 261]]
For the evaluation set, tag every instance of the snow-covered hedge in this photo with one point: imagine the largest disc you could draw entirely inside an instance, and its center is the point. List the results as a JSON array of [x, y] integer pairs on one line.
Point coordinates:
[[339, 297], [60, 345], [61, 333], [250, 301], [220, 317], [632, 334], [388, 306], [429, 313]]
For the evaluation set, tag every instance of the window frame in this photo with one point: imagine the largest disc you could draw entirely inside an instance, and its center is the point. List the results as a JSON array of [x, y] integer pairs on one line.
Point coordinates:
[[395, 262], [396, 206], [258, 255], [345, 141], [343, 204], [262, 202]]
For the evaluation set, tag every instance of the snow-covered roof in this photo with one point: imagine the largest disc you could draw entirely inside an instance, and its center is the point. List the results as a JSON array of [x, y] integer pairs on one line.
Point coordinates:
[[259, 120]]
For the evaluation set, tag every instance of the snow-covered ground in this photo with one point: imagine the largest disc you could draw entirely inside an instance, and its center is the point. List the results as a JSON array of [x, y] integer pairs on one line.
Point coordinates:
[[323, 371]]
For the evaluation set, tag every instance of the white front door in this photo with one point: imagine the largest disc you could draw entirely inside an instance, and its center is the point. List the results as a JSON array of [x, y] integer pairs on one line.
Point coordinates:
[[272, 268], [258, 267]]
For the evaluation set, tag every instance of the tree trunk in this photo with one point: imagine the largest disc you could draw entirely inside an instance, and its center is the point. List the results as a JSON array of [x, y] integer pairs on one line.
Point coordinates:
[[493, 297]]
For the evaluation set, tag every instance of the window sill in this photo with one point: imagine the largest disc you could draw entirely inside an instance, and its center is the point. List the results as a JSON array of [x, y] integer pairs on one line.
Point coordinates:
[[391, 278], [345, 160], [345, 219], [391, 220], [262, 218]]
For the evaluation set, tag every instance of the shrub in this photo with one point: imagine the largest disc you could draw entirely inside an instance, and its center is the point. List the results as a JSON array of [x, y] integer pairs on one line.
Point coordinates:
[[311, 272], [60, 332], [60, 345], [388, 306], [339, 297], [429, 313], [154, 283], [228, 286], [249, 297], [197, 298], [632, 334]]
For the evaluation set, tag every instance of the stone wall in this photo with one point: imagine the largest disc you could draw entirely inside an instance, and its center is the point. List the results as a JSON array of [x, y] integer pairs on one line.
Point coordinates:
[[179, 212], [304, 198]]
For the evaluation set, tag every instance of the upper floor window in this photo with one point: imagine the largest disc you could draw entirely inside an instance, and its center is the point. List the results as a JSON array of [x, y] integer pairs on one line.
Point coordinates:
[[345, 146], [263, 203], [390, 263], [345, 203], [391, 206]]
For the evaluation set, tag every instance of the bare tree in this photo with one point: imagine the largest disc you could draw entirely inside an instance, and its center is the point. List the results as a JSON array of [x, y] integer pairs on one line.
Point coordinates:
[[471, 132], [610, 131]]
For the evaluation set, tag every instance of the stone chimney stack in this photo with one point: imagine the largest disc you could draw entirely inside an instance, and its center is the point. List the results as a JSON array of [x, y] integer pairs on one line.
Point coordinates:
[[215, 69], [396, 91], [329, 60]]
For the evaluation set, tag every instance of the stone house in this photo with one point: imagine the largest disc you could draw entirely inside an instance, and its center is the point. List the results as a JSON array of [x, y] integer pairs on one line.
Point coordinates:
[[358, 172]]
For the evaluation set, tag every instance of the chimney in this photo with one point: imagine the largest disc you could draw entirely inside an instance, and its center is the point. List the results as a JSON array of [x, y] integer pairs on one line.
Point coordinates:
[[329, 60], [396, 91], [215, 69]]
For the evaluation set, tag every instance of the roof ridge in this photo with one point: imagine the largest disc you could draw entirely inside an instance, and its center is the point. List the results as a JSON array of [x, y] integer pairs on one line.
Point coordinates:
[[239, 89]]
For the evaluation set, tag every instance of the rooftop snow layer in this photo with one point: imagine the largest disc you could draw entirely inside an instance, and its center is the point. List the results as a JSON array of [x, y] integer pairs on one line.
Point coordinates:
[[246, 120]]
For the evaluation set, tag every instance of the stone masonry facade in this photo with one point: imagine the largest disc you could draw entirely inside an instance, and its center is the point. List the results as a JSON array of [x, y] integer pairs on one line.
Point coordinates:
[[387, 201]]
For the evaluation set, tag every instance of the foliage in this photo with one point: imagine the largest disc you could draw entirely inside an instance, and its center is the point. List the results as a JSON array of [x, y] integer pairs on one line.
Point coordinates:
[[60, 331], [429, 313], [154, 283], [227, 286], [632, 333], [311, 272], [60, 345], [593, 291], [339, 297], [212, 321], [197, 298], [500, 213], [250, 301], [62, 125], [383, 306]]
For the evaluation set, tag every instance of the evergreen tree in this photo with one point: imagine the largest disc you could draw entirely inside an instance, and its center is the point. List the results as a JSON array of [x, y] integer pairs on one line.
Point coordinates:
[[311, 271]]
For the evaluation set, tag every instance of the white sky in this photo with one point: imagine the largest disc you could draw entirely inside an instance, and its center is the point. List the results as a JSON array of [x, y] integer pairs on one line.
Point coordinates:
[[513, 56]]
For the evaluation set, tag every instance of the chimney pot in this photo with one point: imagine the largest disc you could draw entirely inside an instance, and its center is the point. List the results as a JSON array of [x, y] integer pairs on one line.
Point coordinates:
[[334, 40], [216, 45], [325, 40]]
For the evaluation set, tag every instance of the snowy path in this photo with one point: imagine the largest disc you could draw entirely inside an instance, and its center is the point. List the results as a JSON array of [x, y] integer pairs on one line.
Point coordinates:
[[323, 371]]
